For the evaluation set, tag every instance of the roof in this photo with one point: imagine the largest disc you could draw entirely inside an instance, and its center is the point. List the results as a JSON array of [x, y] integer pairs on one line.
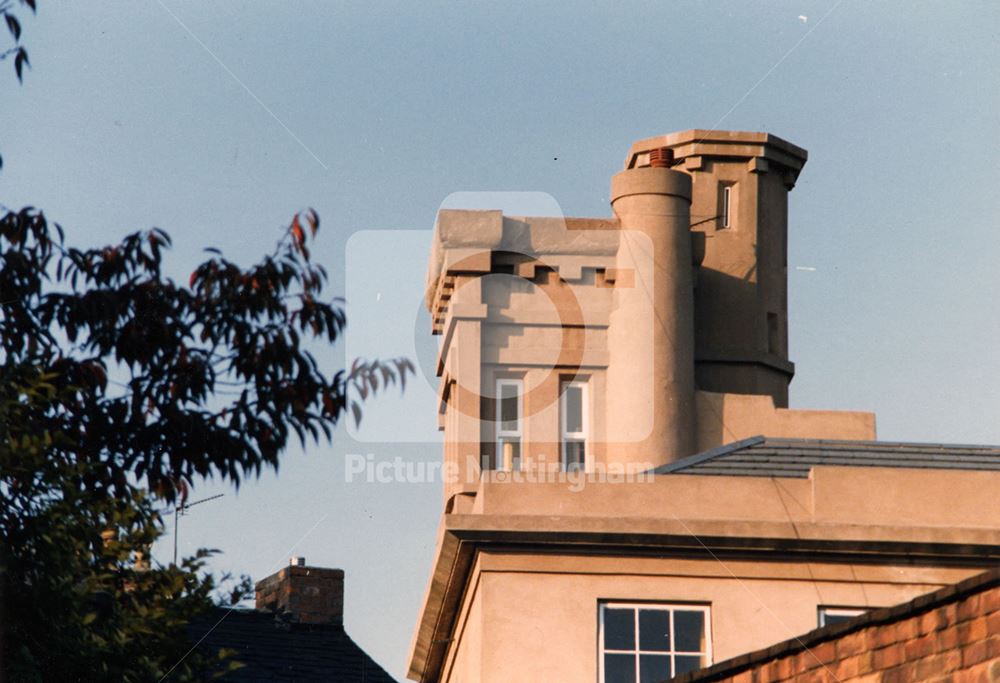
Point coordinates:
[[761, 456], [274, 650], [949, 595]]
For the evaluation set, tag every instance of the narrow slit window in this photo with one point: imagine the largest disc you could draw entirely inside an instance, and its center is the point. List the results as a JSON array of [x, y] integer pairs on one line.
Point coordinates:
[[509, 399], [573, 409], [727, 206], [773, 338]]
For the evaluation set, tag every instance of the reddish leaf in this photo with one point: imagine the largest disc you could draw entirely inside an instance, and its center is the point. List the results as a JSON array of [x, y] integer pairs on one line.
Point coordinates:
[[297, 232]]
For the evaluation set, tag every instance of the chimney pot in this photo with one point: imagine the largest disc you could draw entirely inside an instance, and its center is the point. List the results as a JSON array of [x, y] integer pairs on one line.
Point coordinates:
[[297, 561], [661, 157]]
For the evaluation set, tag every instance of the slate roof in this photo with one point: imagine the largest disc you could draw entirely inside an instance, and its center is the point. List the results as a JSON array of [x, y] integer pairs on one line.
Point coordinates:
[[275, 651], [761, 456]]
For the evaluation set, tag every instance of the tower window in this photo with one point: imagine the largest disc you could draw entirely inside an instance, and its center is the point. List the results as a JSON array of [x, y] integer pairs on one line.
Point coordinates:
[[652, 642], [772, 333], [573, 430], [509, 398], [727, 206]]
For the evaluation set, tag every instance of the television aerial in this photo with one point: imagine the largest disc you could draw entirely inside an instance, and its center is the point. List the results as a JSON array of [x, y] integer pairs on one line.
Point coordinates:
[[182, 510]]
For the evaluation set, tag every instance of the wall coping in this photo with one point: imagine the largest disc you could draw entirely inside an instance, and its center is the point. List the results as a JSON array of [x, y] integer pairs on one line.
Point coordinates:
[[886, 615]]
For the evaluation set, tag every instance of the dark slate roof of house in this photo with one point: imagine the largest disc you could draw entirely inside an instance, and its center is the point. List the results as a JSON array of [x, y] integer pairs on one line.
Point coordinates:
[[761, 456], [275, 651]]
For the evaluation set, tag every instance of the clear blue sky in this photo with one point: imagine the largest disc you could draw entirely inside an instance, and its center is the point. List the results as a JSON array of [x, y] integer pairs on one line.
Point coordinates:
[[374, 115]]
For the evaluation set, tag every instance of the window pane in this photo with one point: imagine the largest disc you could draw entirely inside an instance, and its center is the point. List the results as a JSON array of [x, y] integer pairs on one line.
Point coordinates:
[[689, 631], [573, 396], [575, 455], [619, 668], [619, 629], [654, 630], [835, 616], [654, 668], [834, 619], [509, 416], [687, 663]]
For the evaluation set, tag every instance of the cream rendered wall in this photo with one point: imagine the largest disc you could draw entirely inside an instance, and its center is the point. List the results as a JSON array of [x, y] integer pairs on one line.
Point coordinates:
[[835, 503], [536, 616], [532, 333], [724, 418], [467, 663]]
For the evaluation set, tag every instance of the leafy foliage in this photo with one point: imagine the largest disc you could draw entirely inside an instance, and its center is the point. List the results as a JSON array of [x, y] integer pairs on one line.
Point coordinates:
[[18, 52], [119, 389], [214, 377]]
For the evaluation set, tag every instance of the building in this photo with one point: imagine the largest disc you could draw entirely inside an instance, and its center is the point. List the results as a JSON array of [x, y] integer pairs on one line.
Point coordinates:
[[628, 495], [295, 634]]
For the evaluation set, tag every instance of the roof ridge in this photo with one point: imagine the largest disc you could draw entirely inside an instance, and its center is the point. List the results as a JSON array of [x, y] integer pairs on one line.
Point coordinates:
[[774, 440]]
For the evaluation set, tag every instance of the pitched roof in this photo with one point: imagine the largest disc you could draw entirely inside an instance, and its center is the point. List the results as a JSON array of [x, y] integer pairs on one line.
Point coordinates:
[[761, 456], [275, 651]]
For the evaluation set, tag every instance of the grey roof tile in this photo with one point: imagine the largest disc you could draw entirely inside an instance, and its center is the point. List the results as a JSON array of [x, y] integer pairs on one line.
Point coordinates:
[[274, 651], [770, 457]]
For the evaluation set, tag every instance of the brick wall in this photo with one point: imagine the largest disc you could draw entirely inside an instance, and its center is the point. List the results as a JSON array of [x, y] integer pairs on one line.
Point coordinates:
[[949, 636], [309, 595]]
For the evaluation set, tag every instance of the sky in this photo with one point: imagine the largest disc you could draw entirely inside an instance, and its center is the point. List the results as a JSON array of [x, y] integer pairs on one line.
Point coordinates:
[[217, 121]]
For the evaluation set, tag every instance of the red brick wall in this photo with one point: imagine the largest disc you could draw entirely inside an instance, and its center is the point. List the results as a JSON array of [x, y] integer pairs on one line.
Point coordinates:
[[311, 595], [951, 636]]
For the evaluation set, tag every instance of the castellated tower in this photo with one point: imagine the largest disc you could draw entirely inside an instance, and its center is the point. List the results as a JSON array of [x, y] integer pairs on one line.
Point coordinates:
[[574, 343], [740, 184]]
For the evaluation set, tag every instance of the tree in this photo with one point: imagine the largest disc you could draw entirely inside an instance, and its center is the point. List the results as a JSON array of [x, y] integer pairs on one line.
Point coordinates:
[[119, 390], [18, 52]]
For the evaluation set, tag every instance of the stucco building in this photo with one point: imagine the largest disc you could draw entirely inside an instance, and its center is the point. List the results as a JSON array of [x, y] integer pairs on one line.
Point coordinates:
[[630, 496]]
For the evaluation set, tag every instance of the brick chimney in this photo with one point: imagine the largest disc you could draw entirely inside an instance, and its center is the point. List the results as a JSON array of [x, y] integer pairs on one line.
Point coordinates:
[[309, 595]]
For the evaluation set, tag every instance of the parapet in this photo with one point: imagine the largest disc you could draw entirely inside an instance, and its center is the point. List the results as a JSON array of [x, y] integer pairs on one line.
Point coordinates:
[[690, 146]]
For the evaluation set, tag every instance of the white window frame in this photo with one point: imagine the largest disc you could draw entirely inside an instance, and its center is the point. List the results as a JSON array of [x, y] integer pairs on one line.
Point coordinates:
[[509, 434], [727, 206], [822, 612], [670, 607], [565, 436]]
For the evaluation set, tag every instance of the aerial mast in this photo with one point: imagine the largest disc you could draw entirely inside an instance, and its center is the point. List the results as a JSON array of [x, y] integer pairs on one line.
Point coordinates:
[[182, 509]]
